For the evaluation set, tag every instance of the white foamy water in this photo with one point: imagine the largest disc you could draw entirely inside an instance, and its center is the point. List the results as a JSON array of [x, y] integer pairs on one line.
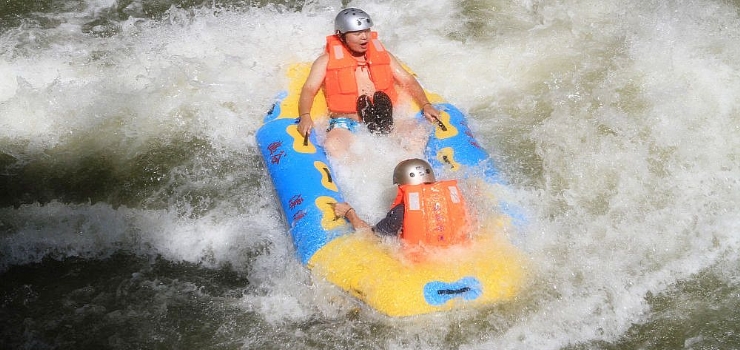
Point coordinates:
[[616, 125]]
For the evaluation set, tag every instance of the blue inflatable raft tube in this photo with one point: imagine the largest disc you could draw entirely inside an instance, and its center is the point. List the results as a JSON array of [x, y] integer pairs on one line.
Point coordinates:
[[485, 271]]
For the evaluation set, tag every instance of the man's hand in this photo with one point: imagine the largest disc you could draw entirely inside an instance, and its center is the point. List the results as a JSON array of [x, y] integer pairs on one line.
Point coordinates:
[[305, 125]]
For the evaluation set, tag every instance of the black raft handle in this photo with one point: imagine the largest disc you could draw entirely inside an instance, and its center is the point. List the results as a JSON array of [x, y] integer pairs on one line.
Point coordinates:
[[440, 124], [453, 291]]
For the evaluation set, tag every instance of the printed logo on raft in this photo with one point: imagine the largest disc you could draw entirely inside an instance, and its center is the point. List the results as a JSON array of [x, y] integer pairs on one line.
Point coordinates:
[[273, 148]]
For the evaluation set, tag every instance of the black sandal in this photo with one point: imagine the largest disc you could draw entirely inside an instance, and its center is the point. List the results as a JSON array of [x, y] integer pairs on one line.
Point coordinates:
[[383, 111], [365, 110]]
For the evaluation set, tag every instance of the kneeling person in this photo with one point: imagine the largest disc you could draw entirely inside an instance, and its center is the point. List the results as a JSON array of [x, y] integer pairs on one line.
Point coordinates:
[[425, 211]]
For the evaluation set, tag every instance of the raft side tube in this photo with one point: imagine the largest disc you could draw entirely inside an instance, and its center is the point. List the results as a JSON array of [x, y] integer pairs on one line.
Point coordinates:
[[455, 148], [304, 184]]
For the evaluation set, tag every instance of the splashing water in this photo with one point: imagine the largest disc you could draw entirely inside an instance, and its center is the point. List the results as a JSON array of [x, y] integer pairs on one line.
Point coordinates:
[[136, 211]]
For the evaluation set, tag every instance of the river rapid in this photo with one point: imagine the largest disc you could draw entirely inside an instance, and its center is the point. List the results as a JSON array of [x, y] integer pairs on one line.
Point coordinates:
[[136, 212]]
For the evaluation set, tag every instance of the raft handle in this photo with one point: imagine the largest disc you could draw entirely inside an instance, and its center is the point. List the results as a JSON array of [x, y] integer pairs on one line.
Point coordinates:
[[453, 291], [440, 124]]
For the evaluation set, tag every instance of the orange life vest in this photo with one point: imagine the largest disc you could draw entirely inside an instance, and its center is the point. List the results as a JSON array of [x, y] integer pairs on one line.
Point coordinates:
[[340, 85], [434, 214]]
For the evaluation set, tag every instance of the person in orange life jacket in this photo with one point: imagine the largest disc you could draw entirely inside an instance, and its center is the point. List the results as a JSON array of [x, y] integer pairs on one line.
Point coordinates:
[[425, 210], [358, 76]]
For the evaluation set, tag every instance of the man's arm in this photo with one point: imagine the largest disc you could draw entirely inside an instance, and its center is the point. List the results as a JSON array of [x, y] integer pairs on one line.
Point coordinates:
[[308, 93], [389, 226], [409, 83], [344, 210]]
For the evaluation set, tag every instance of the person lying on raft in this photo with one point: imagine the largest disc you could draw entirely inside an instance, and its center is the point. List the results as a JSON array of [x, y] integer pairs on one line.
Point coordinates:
[[425, 211], [359, 78]]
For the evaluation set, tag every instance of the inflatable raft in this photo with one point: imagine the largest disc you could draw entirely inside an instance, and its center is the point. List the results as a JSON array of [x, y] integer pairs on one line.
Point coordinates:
[[395, 281]]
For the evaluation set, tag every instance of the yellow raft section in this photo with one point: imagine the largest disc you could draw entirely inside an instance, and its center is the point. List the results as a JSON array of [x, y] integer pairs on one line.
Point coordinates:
[[403, 281], [395, 280]]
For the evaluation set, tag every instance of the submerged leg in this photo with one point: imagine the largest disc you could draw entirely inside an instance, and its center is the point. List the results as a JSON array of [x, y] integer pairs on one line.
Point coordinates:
[[338, 142]]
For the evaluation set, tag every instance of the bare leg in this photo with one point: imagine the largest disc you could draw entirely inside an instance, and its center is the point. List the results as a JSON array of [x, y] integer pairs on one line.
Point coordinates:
[[338, 142]]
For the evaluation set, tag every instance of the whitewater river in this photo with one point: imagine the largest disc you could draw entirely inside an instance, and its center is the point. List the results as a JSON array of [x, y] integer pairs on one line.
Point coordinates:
[[136, 213]]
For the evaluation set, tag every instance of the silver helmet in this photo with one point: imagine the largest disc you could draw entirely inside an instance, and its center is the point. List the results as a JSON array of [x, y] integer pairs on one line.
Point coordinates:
[[352, 20], [413, 171]]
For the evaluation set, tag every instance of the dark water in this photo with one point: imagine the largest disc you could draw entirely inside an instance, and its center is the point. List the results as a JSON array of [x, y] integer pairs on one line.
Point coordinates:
[[117, 303], [135, 212]]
